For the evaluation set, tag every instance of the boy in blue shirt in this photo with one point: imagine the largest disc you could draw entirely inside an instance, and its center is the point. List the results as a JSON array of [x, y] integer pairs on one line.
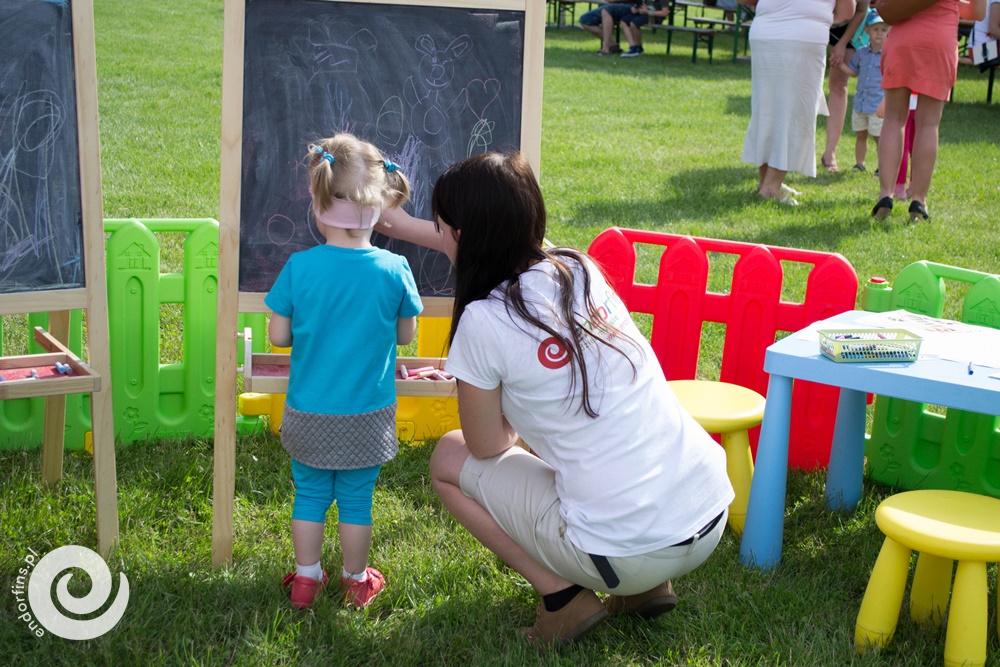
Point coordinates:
[[869, 104]]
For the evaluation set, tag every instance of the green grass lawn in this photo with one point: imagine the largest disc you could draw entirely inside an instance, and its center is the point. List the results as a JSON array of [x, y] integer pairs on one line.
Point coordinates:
[[652, 143]]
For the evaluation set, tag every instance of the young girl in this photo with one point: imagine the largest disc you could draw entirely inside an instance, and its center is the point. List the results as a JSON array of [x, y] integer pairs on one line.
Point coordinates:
[[626, 491], [342, 307], [901, 191]]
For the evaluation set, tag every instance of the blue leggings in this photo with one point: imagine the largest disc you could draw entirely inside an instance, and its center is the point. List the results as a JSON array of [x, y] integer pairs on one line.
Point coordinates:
[[316, 490]]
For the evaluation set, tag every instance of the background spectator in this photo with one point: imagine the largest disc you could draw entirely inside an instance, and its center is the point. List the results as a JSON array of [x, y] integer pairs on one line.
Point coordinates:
[[843, 47], [869, 102], [920, 55], [600, 22], [788, 41]]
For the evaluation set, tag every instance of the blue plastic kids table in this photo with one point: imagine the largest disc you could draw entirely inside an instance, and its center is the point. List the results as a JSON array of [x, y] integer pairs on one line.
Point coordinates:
[[928, 380]]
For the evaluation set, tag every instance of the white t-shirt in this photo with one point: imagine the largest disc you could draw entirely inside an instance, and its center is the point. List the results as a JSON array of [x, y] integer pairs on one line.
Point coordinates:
[[641, 476], [979, 34], [793, 20]]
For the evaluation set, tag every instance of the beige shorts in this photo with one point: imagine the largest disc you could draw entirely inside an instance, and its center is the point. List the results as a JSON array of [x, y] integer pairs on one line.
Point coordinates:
[[866, 121], [519, 491]]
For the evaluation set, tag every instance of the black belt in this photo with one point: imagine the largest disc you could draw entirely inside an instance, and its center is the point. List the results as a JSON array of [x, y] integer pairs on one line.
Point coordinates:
[[608, 573], [701, 533]]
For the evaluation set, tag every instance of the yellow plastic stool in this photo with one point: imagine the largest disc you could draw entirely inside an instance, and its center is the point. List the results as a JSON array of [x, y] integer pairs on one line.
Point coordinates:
[[944, 526], [730, 410]]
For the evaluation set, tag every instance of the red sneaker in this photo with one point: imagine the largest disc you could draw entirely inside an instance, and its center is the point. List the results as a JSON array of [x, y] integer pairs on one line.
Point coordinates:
[[361, 593], [304, 589]]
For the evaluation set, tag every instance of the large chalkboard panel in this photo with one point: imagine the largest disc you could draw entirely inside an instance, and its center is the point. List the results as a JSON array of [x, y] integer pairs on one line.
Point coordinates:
[[41, 224], [428, 85]]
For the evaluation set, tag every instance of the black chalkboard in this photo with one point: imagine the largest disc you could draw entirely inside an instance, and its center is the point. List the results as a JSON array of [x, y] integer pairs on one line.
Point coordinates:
[[428, 85], [41, 223]]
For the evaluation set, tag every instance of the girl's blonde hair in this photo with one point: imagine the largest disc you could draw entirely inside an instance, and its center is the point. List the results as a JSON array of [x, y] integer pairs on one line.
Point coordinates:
[[357, 173]]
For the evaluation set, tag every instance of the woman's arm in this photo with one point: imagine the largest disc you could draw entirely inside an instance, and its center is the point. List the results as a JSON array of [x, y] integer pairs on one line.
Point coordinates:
[[279, 330], [487, 432], [398, 224], [972, 10], [842, 11], [993, 26], [838, 51]]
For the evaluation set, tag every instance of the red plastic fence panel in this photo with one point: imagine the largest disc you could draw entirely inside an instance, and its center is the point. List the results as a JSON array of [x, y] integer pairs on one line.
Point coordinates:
[[752, 311]]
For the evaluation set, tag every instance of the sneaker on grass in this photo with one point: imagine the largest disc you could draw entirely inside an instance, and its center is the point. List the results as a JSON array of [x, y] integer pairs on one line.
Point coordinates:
[[304, 589], [359, 594], [633, 51]]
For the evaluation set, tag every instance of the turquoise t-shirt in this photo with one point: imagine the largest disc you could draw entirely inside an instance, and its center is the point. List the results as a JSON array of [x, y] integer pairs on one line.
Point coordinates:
[[344, 304]]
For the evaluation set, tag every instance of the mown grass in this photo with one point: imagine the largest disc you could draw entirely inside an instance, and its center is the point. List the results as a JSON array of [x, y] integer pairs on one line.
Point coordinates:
[[652, 143]]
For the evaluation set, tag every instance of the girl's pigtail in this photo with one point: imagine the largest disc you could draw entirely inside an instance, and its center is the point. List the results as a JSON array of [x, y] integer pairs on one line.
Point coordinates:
[[398, 187], [321, 176]]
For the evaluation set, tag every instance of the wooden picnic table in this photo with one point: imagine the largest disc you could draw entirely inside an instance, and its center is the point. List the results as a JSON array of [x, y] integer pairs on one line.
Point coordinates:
[[722, 25]]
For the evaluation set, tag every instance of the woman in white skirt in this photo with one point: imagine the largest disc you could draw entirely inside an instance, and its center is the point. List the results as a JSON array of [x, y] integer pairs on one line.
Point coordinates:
[[788, 59]]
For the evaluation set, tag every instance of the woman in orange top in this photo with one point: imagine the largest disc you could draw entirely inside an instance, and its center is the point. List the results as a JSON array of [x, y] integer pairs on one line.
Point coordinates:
[[920, 54]]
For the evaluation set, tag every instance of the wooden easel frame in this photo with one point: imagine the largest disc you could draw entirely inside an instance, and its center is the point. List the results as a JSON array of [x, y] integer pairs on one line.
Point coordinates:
[[232, 301], [93, 298]]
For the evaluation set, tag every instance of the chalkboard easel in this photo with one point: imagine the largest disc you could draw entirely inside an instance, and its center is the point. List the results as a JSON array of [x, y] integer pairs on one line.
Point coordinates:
[[52, 227], [429, 82]]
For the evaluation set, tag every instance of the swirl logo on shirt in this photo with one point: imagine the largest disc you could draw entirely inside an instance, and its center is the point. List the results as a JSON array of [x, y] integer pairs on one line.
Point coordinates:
[[552, 354]]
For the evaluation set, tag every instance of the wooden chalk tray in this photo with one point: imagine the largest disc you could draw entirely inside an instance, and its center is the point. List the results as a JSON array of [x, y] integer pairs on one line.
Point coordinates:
[[19, 382], [267, 373]]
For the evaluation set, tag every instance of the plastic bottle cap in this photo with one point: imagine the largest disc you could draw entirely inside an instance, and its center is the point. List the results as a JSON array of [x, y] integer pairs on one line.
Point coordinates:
[[877, 280]]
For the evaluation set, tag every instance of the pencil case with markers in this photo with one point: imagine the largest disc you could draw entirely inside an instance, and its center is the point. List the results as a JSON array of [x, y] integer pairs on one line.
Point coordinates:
[[869, 345]]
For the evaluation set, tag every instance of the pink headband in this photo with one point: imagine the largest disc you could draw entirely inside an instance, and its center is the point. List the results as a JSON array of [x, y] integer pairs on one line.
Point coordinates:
[[348, 215]]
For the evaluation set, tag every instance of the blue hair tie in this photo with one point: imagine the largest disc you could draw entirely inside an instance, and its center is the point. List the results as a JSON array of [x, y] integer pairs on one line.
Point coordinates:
[[323, 154], [390, 166]]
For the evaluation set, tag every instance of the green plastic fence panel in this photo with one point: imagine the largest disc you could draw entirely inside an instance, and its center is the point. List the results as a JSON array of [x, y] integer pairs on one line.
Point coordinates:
[[910, 446], [151, 400]]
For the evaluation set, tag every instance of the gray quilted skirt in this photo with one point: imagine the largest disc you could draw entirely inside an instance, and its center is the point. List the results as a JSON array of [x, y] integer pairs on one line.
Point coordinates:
[[340, 442]]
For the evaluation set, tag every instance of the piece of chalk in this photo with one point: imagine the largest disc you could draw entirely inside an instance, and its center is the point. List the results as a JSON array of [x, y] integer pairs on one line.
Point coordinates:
[[402, 372], [438, 376], [64, 369], [422, 369], [34, 373], [424, 374], [2, 378]]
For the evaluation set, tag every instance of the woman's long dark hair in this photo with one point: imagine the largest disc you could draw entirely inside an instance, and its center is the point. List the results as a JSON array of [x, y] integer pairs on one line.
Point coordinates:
[[494, 200]]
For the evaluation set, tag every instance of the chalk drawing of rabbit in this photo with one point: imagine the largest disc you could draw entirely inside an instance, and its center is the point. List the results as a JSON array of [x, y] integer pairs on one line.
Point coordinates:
[[432, 109]]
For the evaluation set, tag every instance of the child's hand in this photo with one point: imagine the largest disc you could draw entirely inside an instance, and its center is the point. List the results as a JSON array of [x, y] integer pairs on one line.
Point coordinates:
[[838, 52]]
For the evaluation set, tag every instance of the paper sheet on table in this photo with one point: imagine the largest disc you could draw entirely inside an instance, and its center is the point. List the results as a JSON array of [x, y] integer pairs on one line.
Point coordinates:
[[944, 339], [811, 331]]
